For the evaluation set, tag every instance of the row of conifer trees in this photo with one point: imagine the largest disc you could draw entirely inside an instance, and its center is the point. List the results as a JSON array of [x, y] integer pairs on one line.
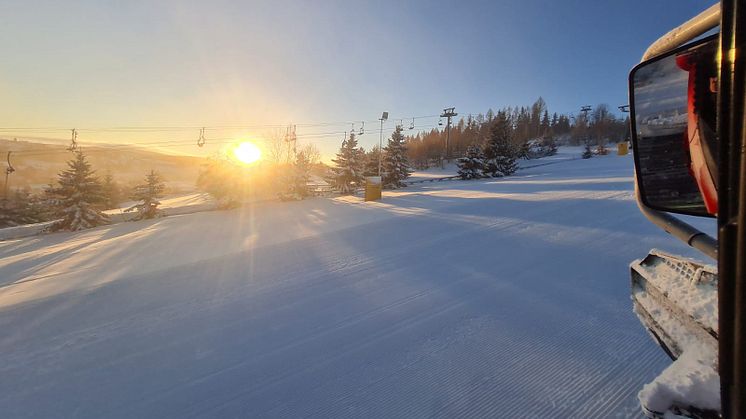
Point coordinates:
[[352, 164], [78, 198]]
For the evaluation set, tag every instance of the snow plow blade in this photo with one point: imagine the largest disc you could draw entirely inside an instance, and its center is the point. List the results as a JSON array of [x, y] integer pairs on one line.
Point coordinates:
[[676, 300]]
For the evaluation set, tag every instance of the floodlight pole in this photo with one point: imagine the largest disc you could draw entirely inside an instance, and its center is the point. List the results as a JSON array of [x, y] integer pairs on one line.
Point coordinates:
[[383, 118]]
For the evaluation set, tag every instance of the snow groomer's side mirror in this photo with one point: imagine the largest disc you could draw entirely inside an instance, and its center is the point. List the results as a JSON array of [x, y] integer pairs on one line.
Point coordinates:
[[673, 120]]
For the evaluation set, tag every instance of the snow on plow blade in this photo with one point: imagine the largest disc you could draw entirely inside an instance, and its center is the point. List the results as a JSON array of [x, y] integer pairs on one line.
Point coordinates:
[[676, 300]]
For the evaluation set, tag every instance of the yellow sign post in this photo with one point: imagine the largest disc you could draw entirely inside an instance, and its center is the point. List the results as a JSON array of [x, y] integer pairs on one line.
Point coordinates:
[[373, 186], [622, 149]]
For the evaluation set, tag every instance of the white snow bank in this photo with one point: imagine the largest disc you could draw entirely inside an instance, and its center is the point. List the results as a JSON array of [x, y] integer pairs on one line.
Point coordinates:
[[449, 169], [564, 153], [691, 380], [21, 231], [176, 205]]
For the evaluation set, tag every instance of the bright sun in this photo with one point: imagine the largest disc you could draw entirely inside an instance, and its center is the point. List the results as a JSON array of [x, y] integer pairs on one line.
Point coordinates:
[[247, 152]]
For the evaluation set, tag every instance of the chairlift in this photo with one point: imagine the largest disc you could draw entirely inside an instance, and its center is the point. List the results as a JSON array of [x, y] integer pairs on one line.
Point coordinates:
[[362, 128], [73, 140], [440, 122], [411, 126], [10, 169], [201, 140]]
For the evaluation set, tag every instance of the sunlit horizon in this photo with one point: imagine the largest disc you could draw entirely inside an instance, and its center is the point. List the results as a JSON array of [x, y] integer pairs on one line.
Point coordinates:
[[231, 64]]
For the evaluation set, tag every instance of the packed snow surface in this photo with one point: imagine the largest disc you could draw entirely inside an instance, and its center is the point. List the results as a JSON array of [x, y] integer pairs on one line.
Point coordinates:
[[494, 298]]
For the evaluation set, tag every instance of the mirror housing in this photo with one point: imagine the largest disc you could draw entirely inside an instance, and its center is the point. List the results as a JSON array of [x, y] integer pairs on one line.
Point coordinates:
[[672, 115]]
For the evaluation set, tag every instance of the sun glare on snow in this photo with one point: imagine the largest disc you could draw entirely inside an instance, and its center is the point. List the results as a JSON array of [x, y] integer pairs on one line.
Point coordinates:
[[247, 152]]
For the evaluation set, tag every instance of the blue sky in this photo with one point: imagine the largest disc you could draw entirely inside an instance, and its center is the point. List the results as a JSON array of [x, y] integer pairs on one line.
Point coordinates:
[[123, 63]]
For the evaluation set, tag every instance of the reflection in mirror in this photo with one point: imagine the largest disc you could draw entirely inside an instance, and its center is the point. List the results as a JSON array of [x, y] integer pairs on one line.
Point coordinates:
[[662, 143]]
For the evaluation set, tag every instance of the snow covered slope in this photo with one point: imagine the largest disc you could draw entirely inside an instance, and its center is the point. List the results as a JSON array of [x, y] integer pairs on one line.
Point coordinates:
[[451, 169], [497, 298]]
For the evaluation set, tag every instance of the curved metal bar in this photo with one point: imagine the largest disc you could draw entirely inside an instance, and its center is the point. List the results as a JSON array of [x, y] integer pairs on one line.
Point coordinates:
[[678, 228], [694, 27]]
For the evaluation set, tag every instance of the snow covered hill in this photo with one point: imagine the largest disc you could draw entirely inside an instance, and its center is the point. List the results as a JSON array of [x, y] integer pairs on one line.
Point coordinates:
[[38, 162], [496, 298]]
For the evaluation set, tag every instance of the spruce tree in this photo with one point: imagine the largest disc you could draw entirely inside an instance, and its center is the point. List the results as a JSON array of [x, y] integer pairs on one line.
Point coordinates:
[[549, 146], [554, 122], [226, 180], [77, 199], [587, 152], [9, 213], [148, 195], [21, 208], [500, 156], [111, 191], [348, 171], [525, 151], [371, 162], [471, 166], [395, 162], [217, 178], [490, 153], [545, 124], [297, 188]]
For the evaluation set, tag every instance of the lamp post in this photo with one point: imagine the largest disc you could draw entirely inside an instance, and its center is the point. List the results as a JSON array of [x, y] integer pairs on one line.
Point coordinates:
[[383, 118]]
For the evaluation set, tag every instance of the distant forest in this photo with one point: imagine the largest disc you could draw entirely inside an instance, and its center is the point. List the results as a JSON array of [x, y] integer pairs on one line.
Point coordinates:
[[527, 123]]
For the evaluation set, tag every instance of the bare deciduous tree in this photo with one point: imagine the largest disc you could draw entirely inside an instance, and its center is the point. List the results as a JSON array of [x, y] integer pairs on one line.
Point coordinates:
[[312, 153], [277, 146]]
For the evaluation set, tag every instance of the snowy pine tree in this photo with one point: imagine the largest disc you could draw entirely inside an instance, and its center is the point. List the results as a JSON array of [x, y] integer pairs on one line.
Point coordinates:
[[224, 179], [549, 146], [587, 152], [471, 166], [349, 166], [395, 163], [500, 156], [21, 208], [77, 199], [9, 214], [526, 151], [297, 187], [372, 162], [147, 196]]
